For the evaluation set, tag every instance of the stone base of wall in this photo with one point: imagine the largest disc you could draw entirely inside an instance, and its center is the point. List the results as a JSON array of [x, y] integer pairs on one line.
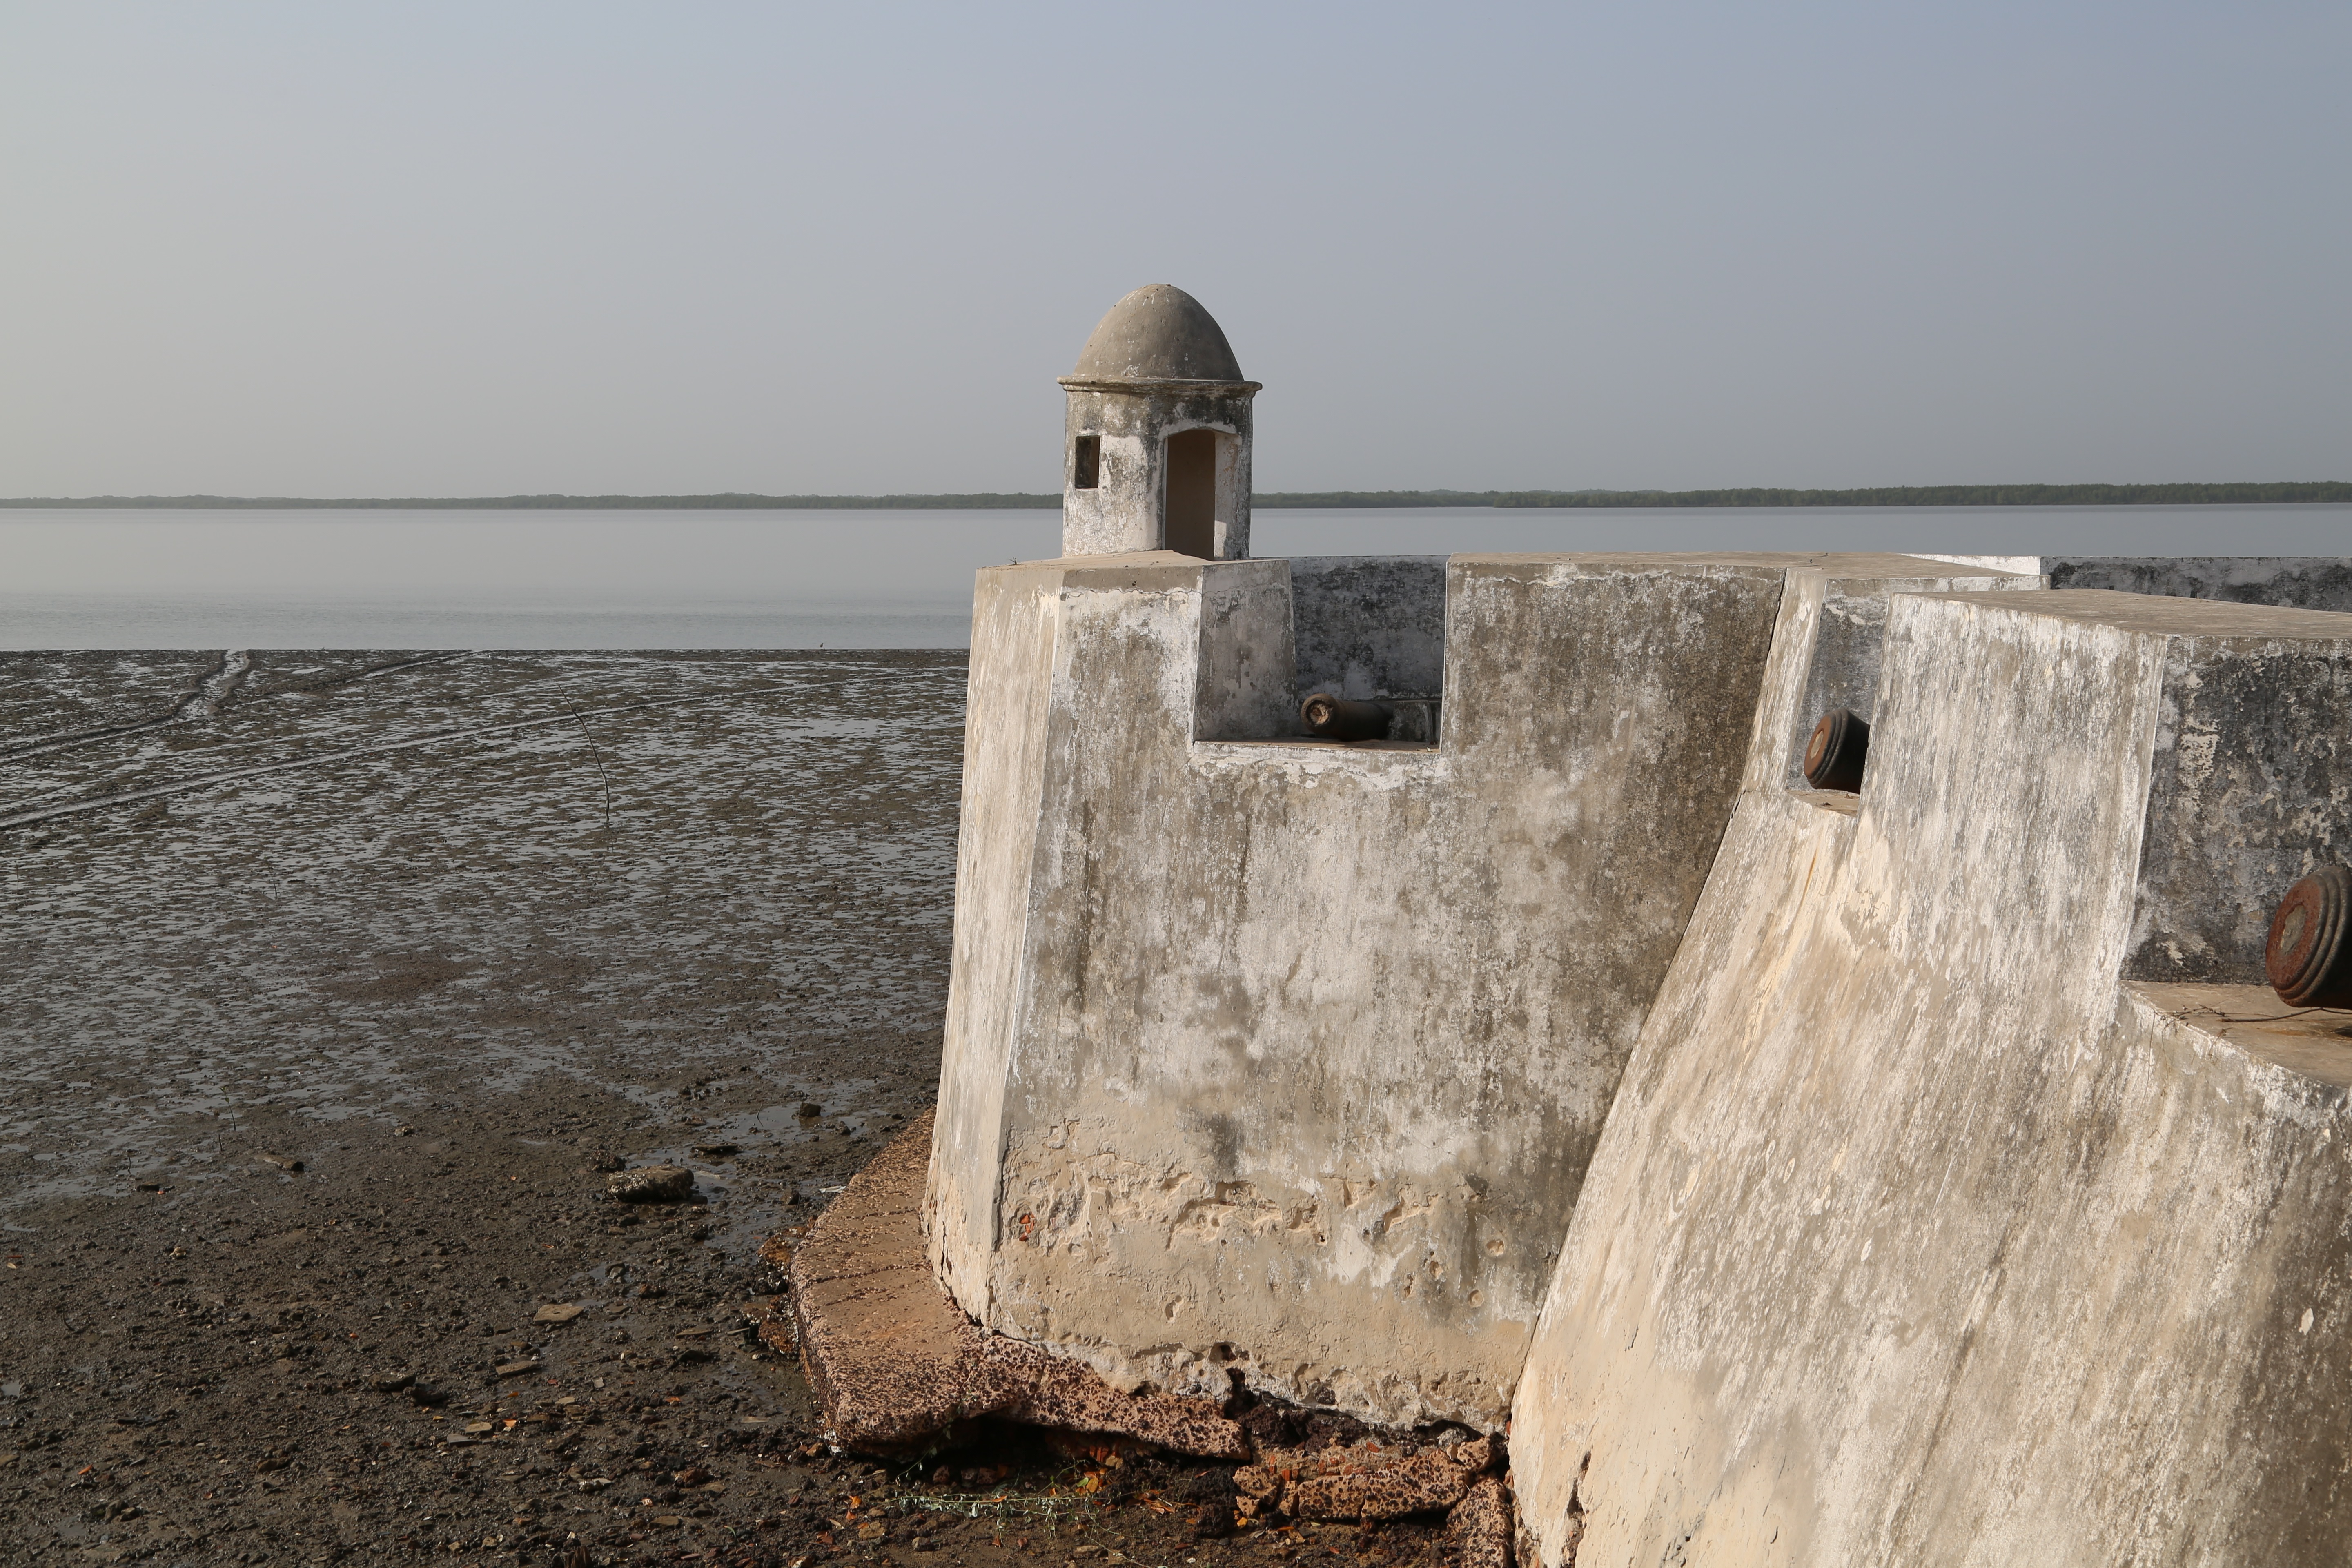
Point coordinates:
[[896, 1365]]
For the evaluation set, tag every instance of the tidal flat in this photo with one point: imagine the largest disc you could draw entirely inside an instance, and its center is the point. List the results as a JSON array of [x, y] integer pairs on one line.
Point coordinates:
[[332, 983]]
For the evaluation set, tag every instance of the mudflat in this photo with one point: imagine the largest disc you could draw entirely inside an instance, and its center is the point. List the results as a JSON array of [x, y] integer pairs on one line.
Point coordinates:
[[332, 987]]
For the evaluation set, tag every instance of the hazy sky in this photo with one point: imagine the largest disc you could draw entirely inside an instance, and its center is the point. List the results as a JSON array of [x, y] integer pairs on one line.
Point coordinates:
[[484, 247]]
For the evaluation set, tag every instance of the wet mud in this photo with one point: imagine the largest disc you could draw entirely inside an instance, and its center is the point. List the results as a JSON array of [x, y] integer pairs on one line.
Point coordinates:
[[333, 985]]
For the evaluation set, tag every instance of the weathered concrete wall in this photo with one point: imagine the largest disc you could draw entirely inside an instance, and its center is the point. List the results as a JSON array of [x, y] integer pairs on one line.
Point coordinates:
[[1241, 685], [1016, 623], [1369, 626], [1291, 1058], [1917, 1234], [2306, 581], [2020, 565], [1311, 1042], [2250, 788]]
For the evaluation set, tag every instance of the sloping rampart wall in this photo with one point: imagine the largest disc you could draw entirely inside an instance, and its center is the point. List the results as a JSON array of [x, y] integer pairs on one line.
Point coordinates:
[[1920, 1232]]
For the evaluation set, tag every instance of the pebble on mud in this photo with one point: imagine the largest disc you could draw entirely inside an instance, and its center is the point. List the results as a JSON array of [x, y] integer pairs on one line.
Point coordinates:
[[558, 1312], [652, 1184], [281, 1161]]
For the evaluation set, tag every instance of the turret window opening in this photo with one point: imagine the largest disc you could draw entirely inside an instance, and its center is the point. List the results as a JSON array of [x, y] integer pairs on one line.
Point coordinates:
[[1085, 463]]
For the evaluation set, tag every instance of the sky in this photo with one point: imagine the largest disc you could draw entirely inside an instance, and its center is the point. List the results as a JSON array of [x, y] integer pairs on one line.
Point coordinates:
[[490, 247]]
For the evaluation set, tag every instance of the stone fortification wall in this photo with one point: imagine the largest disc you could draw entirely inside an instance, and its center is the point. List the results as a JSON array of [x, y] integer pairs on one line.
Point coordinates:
[[1285, 1060], [1369, 626], [2306, 581], [1922, 1232]]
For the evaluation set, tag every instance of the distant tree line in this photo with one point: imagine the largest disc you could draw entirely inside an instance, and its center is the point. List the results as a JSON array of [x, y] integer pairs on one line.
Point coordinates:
[[1946, 495], [1892, 495], [1895, 495], [1278, 500]]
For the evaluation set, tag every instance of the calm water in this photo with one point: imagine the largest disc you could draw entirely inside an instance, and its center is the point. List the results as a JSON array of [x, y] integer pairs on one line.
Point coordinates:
[[848, 579]]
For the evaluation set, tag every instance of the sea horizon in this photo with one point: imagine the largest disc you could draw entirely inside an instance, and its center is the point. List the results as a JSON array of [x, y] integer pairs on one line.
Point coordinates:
[[158, 578]]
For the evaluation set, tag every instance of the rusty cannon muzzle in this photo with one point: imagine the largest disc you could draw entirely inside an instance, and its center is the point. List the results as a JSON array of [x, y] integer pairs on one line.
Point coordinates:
[[1834, 756], [1337, 719], [2307, 960]]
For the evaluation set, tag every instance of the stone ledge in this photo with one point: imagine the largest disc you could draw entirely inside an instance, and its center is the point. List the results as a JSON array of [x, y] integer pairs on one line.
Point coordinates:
[[895, 1364]]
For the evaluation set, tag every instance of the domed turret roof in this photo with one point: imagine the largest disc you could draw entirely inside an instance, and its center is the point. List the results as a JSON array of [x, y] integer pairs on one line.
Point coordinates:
[[1157, 333]]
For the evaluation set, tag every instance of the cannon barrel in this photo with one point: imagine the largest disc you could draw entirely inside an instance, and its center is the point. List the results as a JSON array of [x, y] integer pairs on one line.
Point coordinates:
[[2307, 960], [1840, 746], [1339, 719]]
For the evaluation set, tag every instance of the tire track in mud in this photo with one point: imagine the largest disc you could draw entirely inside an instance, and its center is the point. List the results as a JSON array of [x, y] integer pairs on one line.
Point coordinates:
[[204, 704], [347, 753], [205, 701], [213, 692], [372, 670]]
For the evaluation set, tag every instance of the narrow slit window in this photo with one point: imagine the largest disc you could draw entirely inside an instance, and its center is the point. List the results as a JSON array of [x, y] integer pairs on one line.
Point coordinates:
[[1085, 463]]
